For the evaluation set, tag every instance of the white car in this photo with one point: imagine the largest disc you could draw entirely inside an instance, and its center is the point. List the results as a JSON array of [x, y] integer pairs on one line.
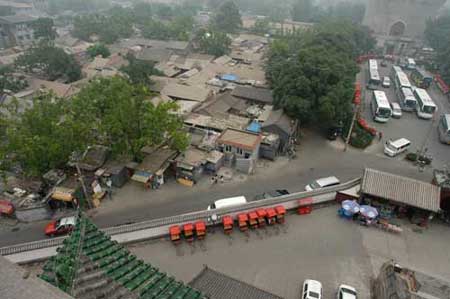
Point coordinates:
[[312, 289], [386, 82], [322, 183], [396, 110], [346, 292]]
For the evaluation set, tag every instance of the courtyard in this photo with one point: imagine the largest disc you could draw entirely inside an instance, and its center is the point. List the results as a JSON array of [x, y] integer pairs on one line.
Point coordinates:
[[319, 246]]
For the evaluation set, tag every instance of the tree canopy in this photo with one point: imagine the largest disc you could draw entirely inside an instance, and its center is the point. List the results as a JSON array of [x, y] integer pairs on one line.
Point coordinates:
[[108, 111], [108, 28], [313, 74], [58, 6], [44, 28], [212, 42], [44, 136], [98, 49], [11, 82], [227, 18], [51, 61], [139, 71], [437, 34]]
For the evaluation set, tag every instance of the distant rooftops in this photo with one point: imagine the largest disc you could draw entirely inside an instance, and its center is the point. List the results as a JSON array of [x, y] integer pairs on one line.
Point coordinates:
[[16, 19], [262, 95]]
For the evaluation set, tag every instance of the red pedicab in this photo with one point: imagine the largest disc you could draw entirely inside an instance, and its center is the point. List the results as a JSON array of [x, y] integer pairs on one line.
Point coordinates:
[[242, 220], [261, 217], [281, 212], [271, 216], [175, 234], [200, 229], [227, 224], [253, 219], [188, 230], [305, 205]]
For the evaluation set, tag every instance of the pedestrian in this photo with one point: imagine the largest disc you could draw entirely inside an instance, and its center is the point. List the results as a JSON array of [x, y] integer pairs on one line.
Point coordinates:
[[380, 135], [109, 185]]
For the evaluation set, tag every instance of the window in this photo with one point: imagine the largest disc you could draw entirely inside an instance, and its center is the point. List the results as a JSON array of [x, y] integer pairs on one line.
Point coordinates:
[[247, 155], [228, 148], [239, 151]]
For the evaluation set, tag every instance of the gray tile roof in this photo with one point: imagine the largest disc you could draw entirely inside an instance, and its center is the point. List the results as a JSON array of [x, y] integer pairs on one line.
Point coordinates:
[[262, 95], [154, 54], [17, 284], [401, 189], [216, 285], [280, 119]]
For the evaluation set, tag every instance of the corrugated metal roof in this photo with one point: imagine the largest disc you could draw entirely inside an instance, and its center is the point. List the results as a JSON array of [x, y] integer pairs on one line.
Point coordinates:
[[401, 189]]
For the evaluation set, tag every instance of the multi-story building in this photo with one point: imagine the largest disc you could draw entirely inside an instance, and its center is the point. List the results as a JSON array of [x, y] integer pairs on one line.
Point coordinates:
[[16, 31], [14, 8]]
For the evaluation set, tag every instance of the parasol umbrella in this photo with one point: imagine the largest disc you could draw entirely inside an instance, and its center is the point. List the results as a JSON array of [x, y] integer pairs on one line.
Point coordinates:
[[350, 206], [368, 211]]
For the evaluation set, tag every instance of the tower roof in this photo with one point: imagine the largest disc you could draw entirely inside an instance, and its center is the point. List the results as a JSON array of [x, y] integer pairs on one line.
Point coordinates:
[[91, 265]]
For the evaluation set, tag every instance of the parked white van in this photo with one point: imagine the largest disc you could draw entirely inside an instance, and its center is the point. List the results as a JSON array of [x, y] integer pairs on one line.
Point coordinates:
[[322, 183], [228, 202], [393, 148]]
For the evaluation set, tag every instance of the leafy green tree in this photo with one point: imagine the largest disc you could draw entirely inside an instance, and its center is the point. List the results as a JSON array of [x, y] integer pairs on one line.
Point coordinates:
[[44, 28], [227, 18], [212, 42], [107, 28], [53, 62], [121, 113], [156, 30], [98, 49], [437, 34], [261, 26], [58, 6], [313, 74], [10, 82], [142, 12], [44, 136], [139, 71]]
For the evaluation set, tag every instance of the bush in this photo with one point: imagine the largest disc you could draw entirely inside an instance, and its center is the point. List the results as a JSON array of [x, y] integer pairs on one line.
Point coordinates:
[[360, 138]]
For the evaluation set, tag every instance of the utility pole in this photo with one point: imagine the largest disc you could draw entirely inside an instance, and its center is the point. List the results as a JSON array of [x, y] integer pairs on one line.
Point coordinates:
[[86, 196]]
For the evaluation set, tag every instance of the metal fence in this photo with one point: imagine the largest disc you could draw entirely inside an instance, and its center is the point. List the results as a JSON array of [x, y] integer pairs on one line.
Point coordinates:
[[154, 227]]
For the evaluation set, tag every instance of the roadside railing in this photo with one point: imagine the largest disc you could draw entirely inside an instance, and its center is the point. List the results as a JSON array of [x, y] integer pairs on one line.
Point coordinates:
[[159, 227]]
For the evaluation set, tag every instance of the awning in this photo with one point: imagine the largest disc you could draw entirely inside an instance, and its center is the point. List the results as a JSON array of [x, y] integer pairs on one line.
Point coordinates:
[[141, 176], [63, 194]]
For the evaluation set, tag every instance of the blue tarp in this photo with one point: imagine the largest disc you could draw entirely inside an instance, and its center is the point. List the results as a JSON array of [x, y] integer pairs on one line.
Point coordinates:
[[229, 77], [254, 127]]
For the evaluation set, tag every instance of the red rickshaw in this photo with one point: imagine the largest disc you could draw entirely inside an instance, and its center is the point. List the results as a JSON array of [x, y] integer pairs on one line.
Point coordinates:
[[188, 230], [242, 220], [175, 234], [261, 217], [281, 212], [227, 224], [271, 216], [200, 229], [253, 219], [305, 205]]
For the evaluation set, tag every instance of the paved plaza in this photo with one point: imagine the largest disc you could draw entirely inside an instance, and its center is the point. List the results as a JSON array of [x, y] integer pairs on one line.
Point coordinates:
[[320, 246]]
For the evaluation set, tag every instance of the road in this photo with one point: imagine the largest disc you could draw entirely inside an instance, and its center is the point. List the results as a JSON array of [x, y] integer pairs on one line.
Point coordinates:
[[316, 158]]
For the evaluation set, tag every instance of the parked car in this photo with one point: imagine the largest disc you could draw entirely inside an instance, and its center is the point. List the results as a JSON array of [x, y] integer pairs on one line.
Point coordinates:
[[60, 227], [386, 82], [396, 110], [393, 148], [322, 183], [312, 289], [270, 194], [346, 292]]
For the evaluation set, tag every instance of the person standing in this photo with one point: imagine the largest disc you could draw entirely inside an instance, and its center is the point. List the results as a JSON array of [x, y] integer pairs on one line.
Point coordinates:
[[109, 188]]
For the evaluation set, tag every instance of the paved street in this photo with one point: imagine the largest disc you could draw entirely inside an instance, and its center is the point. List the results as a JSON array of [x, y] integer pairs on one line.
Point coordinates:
[[419, 131], [320, 246], [316, 158]]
